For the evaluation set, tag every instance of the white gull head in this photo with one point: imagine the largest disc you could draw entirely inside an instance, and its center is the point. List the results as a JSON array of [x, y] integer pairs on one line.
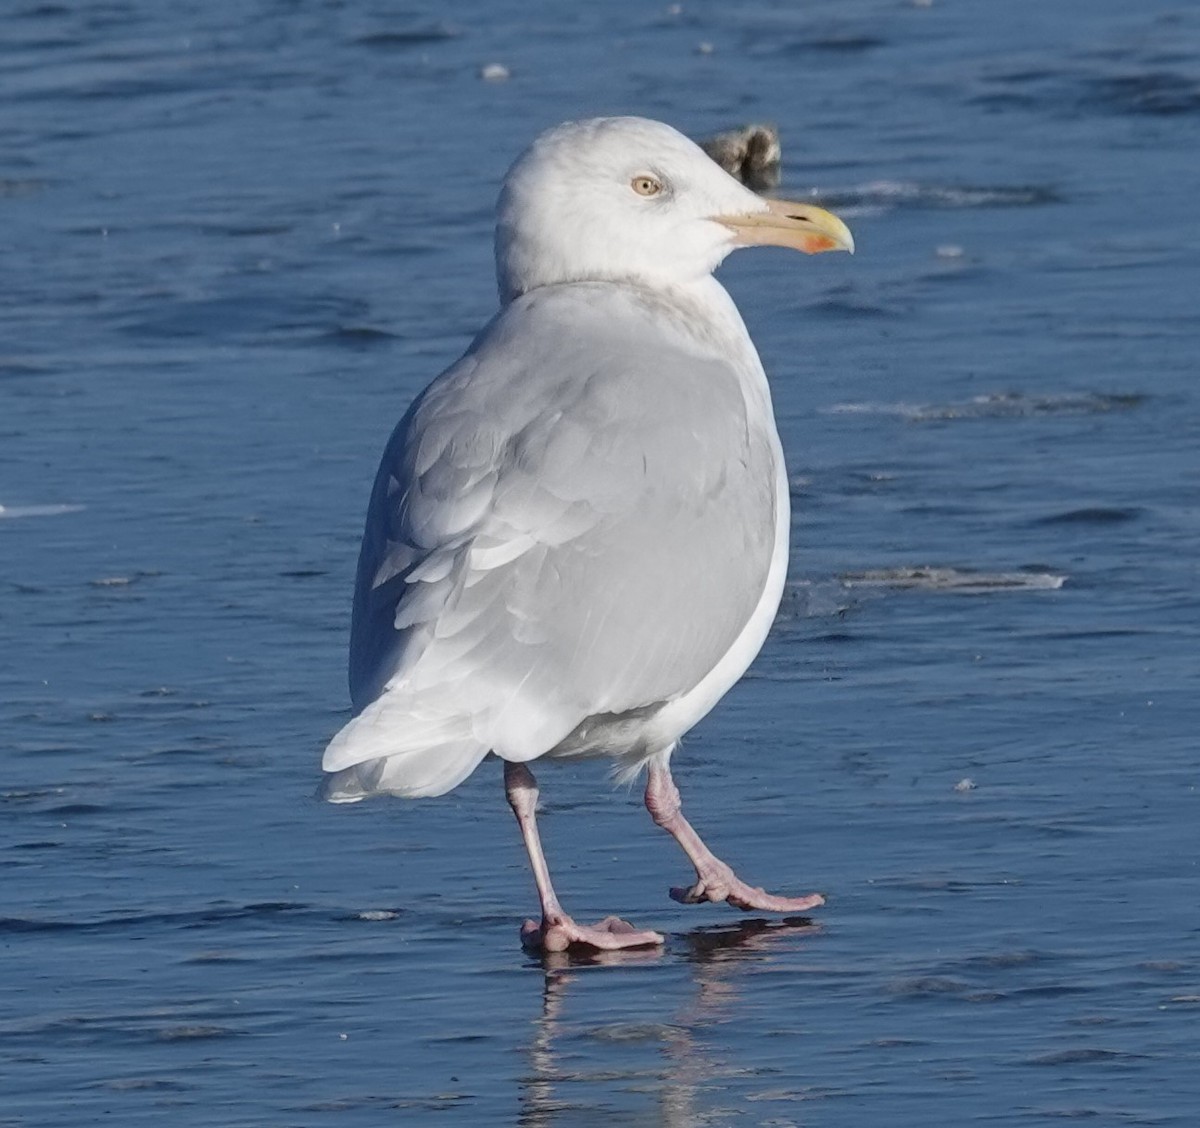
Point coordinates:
[[632, 200]]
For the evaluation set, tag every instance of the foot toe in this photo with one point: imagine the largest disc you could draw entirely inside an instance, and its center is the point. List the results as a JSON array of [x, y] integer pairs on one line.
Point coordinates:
[[744, 897], [610, 934], [690, 894], [768, 903]]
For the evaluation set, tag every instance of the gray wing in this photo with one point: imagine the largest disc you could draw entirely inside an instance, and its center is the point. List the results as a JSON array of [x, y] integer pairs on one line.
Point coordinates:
[[576, 519]]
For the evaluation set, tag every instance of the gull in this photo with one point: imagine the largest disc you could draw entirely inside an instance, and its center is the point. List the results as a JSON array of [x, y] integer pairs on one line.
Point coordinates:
[[578, 535]]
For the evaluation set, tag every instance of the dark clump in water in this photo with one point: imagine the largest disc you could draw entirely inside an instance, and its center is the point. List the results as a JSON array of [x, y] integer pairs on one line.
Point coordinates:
[[752, 154]]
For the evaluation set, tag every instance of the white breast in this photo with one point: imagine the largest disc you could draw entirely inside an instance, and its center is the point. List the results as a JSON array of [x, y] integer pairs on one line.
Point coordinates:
[[676, 718]]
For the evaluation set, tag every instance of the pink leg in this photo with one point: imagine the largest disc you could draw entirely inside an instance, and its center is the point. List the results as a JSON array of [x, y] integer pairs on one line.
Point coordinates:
[[715, 881], [557, 930]]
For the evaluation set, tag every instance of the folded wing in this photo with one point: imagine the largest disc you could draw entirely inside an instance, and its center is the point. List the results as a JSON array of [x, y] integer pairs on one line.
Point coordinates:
[[576, 519]]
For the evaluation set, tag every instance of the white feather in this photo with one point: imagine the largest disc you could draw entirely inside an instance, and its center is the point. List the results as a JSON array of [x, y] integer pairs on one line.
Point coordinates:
[[578, 534]]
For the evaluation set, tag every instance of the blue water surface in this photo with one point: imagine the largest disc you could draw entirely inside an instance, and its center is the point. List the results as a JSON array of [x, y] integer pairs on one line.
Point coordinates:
[[237, 238]]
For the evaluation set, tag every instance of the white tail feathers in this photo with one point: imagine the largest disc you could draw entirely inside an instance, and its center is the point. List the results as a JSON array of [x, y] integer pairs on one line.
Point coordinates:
[[390, 749]]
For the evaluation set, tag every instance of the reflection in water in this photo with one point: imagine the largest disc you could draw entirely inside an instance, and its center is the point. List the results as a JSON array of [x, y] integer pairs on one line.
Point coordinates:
[[717, 958]]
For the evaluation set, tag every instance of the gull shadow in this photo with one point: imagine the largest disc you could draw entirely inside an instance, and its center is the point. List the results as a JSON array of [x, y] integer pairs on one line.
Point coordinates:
[[678, 1065], [744, 938], [739, 939]]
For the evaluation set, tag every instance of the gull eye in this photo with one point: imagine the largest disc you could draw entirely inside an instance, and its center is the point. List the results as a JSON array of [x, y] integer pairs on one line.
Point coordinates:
[[646, 185]]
